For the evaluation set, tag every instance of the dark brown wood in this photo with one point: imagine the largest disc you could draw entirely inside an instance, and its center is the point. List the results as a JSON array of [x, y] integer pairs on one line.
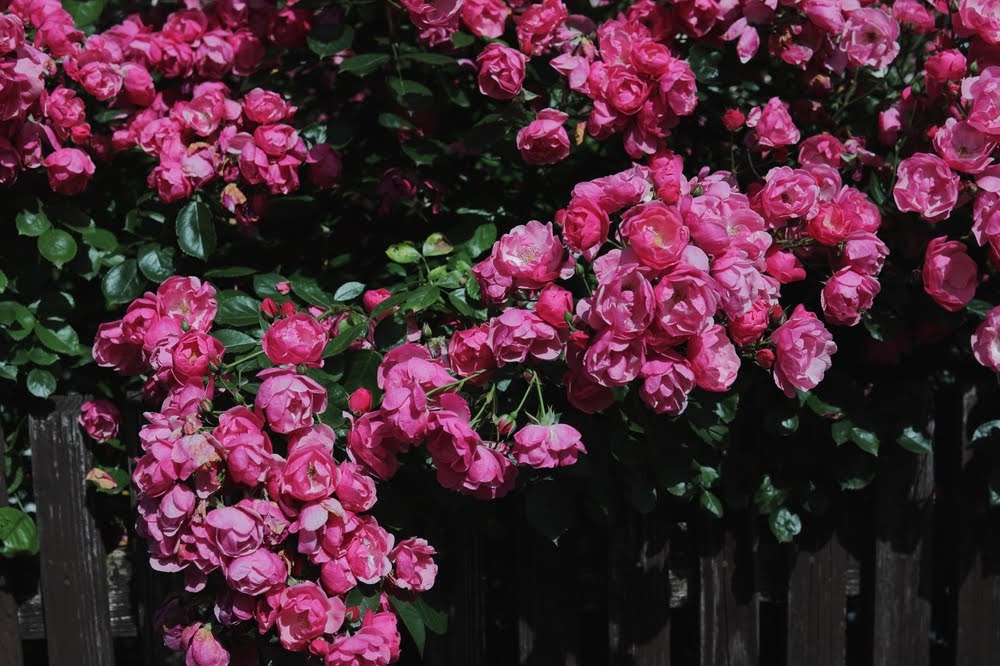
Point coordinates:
[[10, 640], [977, 637], [639, 590], [817, 600], [729, 600], [547, 628], [903, 553], [467, 629], [74, 576]]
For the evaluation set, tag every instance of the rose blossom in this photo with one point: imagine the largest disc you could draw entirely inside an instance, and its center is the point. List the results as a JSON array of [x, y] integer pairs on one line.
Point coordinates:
[[803, 348], [950, 275], [547, 446], [100, 419], [309, 474], [501, 71], [413, 565], [234, 531], [773, 127], [288, 400], [847, 295], [926, 185], [713, 360], [69, 170], [986, 341], [869, 38], [668, 379], [963, 147], [305, 612], [656, 233], [544, 140], [298, 339]]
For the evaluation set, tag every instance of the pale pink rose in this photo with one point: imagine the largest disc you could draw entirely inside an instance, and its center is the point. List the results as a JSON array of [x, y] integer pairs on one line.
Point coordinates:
[[485, 18], [870, 38], [544, 140], [188, 299], [288, 400], [667, 381], [100, 419], [623, 302], [847, 295], [686, 302], [803, 348], [657, 234], [501, 71], [773, 127], [950, 275], [739, 282], [986, 341], [517, 334], [413, 565], [963, 147], [235, 532], [788, 193], [926, 185], [69, 170], [713, 360], [547, 446], [298, 339], [256, 573], [305, 613], [981, 17], [309, 474]]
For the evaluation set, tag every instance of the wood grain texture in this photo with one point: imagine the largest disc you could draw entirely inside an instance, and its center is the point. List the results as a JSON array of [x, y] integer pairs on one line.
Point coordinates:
[[817, 600], [729, 601], [74, 577], [10, 639]]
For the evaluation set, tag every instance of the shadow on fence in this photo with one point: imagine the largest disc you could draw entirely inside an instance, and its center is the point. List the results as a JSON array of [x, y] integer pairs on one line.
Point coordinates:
[[904, 575]]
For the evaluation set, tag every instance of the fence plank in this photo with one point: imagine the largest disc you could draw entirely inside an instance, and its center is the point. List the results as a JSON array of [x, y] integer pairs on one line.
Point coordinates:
[[639, 589], [10, 640], [74, 583], [977, 638], [547, 627], [817, 599], [903, 554], [730, 613]]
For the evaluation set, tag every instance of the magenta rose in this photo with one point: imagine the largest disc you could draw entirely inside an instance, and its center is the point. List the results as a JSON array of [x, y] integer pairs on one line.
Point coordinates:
[[256, 573], [196, 355], [305, 613], [773, 126], [623, 302], [713, 360], [847, 295], [288, 400], [547, 446], [544, 140], [656, 233], [585, 225], [469, 353], [375, 644], [413, 565], [100, 419], [667, 381], [309, 474], [188, 299], [202, 648], [501, 71], [298, 339], [234, 531], [925, 184], [803, 348], [986, 341], [367, 551], [517, 334], [950, 275], [69, 170], [869, 38]]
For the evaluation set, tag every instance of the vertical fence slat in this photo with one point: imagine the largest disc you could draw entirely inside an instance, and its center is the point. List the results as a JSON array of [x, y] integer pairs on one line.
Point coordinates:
[[467, 631], [977, 639], [817, 600], [639, 590], [547, 627], [730, 613], [10, 639], [74, 582], [903, 554]]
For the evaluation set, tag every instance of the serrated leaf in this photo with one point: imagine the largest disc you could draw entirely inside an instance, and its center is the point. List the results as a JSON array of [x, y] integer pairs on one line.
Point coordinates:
[[711, 503], [311, 292], [235, 341], [346, 335], [237, 309], [423, 298], [32, 224], [57, 246], [364, 64], [122, 283], [784, 525], [326, 40], [18, 535], [17, 320], [264, 285], [482, 239], [348, 290], [403, 253], [98, 238], [435, 620], [195, 230], [63, 340], [41, 383], [866, 440], [84, 12], [914, 441], [436, 245], [156, 263]]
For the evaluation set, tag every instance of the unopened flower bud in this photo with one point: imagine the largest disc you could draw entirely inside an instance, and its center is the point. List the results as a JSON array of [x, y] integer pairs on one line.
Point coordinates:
[[360, 401]]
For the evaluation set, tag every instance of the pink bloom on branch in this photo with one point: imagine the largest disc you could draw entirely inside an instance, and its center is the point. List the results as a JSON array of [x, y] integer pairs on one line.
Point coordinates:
[[69, 170], [501, 71], [288, 400], [305, 612], [869, 38], [298, 339], [926, 185], [100, 419], [773, 126], [986, 341], [847, 295], [544, 140], [949, 274], [803, 347], [547, 446], [413, 564]]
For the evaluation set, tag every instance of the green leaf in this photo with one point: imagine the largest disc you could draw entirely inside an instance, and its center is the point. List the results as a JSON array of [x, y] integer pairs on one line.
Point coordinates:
[[427, 58], [841, 431], [156, 263], [3, 282], [264, 285], [237, 309], [229, 272], [704, 61], [985, 431], [57, 246], [17, 533], [361, 369], [364, 64], [914, 441], [482, 240], [63, 340], [348, 290], [768, 498], [866, 440], [876, 190], [784, 525], [32, 224], [413, 621], [711, 503], [436, 245], [327, 39], [978, 308], [195, 231], [550, 510], [16, 319], [41, 383], [39, 356], [84, 12], [100, 239], [235, 341], [423, 298], [410, 93], [403, 253], [436, 621], [311, 292], [348, 333], [122, 283], [390, 303]]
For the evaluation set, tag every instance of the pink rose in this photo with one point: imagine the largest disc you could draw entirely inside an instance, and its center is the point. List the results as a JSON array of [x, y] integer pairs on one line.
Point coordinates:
[[100, 419], [11, 33], [623, 302], [375, 644], [926, 185], [325, 165], [547, 446], [305, 613], [656, 233], [544, 140], [847, 295], [370, 443], [986, 341], [983, 95], [611, 361], [501, 71], [298, 339], [821, 149], [788, 193], [235, 532], [69, 170], [528, 257], [517, 334], [869, 38], [202, 648], [265, 107], [668, 379], [963, 147], [553, 304], [829, 224], [686, 302], [784, 266], [188, 299], [196, 355], [256, 573], [112, 349], [980, 17], [773, 127], [750, 326], [355, 489], [864, 252], [536, 27], [803, 348], [468, 351], [309, 474], [713, 360], [947, 65], [585, 225], [485, 18], [288, 400], [367, 551], [950, 275], [414, 565]]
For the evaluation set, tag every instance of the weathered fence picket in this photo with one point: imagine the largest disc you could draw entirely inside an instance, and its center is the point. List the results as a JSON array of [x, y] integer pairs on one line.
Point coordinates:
[[10, 639]]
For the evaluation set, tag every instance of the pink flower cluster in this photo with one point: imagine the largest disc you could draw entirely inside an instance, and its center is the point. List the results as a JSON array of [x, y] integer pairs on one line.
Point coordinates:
[[189, 121], [422, 406], [686, 277], [250, 501]]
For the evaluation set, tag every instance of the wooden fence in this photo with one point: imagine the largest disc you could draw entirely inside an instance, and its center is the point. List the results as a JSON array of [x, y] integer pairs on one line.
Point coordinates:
[[905, 575]]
